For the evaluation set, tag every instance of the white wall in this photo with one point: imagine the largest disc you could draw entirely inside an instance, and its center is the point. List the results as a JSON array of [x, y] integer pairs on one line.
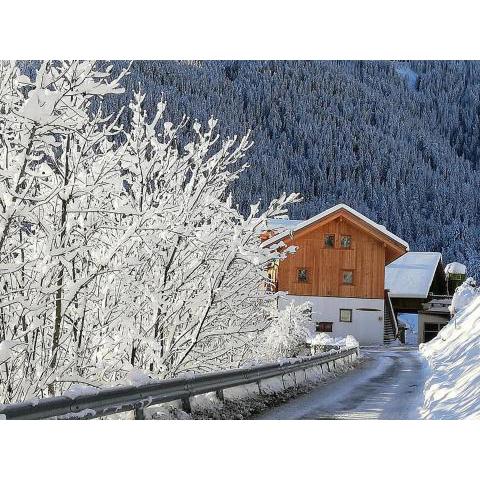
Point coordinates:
[[366, 326], [429, 318]]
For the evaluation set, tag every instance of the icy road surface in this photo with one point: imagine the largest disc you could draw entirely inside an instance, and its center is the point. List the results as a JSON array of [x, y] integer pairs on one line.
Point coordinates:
[[388, 384]]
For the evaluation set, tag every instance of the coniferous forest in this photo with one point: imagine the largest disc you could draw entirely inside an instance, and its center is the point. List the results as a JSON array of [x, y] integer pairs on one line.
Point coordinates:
[[398, 141]]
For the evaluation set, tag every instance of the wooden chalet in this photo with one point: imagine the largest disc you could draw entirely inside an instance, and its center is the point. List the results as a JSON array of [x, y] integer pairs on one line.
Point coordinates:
[[339, 267]]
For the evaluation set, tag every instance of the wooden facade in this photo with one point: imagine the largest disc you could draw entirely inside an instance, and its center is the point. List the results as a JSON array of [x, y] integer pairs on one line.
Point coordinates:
[[349, 264]]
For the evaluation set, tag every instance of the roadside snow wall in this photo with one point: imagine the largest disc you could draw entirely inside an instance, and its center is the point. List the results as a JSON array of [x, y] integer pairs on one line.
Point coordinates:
[[452, 389]]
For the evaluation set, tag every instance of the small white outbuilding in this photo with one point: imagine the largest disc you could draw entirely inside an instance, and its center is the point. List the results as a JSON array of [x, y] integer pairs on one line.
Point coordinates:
[[417, 285]]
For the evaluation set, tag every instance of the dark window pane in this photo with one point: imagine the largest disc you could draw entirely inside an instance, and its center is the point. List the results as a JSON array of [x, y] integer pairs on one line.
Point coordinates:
[[324, 327], [346, 241], [347, 277], [329, 241], [302, 275]]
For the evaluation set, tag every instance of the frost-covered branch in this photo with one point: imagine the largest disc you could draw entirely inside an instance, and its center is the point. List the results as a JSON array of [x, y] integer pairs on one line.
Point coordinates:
[[119, 249]]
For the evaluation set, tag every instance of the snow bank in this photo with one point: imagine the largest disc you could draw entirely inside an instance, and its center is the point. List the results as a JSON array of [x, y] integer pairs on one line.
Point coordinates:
[[75, 390], [464, 294], [452, 390], [137, 377], [323, 339]]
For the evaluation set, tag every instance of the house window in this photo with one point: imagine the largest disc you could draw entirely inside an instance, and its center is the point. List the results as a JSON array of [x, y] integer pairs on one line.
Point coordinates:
[[347, 277], [329, 240], [345, 315], [302, 275], [324, 327], [346, 241]]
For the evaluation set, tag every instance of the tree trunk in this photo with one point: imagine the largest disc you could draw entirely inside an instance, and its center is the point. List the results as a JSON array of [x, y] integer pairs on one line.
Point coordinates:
[[59, 293]]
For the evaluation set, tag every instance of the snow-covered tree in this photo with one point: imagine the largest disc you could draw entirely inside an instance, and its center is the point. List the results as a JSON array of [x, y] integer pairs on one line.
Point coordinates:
[[120, 246], [52, 146], [288, 332]]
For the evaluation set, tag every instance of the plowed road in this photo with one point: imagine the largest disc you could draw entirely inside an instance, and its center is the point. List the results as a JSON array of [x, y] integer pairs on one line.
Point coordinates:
[[388, 384]]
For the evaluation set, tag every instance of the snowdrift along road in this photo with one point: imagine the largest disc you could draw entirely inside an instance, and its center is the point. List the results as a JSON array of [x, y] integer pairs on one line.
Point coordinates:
[[452, 390]]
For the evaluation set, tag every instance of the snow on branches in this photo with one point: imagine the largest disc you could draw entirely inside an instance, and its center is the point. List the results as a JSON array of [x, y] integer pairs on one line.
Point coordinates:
[[288, 332], [120, 248]]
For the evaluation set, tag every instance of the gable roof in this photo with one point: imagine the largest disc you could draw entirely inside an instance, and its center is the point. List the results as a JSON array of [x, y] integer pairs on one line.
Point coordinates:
[[295, 227], [411, 275]]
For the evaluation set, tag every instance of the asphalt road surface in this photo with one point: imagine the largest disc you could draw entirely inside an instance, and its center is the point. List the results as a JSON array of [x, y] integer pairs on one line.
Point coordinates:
[[388, 384]]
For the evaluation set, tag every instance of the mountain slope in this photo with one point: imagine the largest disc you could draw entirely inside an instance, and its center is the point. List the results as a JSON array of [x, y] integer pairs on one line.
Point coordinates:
[[398, 141]]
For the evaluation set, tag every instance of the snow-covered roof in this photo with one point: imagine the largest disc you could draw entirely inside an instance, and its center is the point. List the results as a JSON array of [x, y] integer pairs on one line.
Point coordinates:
[[456, 267], [298, 225], [411, 275]]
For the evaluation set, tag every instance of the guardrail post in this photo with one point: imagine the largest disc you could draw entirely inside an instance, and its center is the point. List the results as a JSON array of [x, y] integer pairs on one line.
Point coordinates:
[[186, 406], [219, 394], [139, 413], [259, 387]]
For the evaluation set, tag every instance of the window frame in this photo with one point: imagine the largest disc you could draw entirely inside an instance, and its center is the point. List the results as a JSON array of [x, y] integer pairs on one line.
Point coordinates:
[[329, 329], [345, 310], [350, 242], [307, 275], [328, 247], [352, 271]]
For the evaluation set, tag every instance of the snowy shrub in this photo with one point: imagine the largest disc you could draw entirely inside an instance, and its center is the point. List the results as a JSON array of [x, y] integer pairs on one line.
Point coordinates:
[[288, 332], [120, 246]]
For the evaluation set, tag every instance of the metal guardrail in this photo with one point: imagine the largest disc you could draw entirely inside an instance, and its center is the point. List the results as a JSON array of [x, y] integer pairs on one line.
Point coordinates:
[[108, 401]]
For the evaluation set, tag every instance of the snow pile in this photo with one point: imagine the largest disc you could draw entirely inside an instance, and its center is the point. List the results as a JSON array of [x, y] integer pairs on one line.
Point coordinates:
[[138, 377], [455, 267], [464, 294], [75, 390], [351, 342], [323, 339], [452, 390], [320, 339]]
